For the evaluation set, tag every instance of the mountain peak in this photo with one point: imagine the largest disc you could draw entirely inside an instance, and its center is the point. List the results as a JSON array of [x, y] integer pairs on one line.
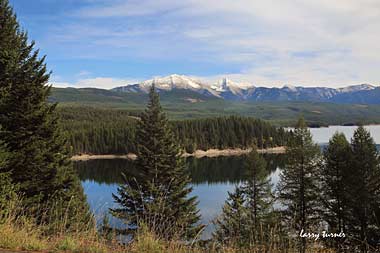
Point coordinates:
[[358, 87], [290, 87], [230, 90], [173, 81]]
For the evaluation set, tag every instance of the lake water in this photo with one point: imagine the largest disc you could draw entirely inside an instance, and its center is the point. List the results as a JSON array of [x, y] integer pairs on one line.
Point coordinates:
[[212, 178]]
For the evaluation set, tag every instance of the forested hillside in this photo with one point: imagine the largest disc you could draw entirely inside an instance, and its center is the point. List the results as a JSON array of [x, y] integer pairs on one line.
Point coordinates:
[[105, 131], [187, 104]]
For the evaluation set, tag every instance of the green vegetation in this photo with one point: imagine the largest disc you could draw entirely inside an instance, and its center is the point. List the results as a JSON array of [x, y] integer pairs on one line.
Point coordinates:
[[183, 104], [228, 132], [42, 202], [158, 196], [335, 185], [37, 162], [298, 187], [339, 189], [248, 217], [350, 190], [363, 191], [21, 234], [101, 131], [98, 131]]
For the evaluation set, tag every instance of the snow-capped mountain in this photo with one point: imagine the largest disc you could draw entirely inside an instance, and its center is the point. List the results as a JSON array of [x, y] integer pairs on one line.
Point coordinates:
[[354, 88], [169, 83], [230, 90]]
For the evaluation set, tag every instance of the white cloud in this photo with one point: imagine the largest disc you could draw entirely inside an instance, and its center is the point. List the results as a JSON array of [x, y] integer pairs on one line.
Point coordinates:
[[60, 84], [98, 82], [131, 8], [302, 42], [83, 73]]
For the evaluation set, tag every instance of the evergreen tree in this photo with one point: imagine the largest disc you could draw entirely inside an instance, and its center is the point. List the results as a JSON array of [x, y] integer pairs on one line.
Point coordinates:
[[38, 163], [335, 185], [298, 189], [364, 180], [232, 225], [258, 195], [158, 197], [115, 134], [246, 216]]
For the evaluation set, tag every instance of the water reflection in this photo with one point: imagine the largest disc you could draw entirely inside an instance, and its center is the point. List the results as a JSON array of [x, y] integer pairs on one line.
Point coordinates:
[[203, 170], [211, 178]]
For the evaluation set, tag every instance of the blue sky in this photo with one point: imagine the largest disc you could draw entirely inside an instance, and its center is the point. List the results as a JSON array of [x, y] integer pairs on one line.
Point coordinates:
[[94, 43]]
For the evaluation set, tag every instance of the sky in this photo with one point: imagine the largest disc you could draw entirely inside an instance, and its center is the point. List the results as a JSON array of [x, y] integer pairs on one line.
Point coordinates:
[[103, 44]]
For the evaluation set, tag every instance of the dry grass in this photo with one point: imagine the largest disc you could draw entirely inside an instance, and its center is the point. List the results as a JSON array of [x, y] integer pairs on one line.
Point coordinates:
[[28, 237], [20, 233]]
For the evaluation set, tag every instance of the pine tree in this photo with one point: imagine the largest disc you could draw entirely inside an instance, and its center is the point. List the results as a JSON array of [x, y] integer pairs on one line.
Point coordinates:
[[232, 227], [335, 185], [158, 197], [247, 213], [258, 195], [298, 189], [39, 163], [364, 180]]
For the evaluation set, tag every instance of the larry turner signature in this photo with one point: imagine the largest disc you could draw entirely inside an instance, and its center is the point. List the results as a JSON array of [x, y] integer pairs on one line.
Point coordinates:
[[324, 234]]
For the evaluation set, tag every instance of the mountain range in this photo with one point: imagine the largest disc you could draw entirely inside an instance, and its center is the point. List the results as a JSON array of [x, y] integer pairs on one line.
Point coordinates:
[[229, 90], [184, 97]]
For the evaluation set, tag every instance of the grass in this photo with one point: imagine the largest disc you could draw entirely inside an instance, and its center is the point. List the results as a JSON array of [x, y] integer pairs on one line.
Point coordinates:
[[28, 238], [19, 233], [21, 238]]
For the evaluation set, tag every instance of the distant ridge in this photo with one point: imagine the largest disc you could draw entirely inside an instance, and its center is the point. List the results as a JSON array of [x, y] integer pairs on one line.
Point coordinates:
[[229, 90]]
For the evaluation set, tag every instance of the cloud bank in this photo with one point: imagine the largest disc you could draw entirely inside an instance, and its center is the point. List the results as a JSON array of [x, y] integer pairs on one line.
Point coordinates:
[[268, 43]]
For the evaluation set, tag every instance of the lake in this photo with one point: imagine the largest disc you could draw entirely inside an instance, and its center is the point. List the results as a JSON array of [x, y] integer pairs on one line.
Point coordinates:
[[212, 178]]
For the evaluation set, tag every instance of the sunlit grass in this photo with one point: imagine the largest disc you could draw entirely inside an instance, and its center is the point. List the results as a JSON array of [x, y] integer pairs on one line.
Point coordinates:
[[17, 232]]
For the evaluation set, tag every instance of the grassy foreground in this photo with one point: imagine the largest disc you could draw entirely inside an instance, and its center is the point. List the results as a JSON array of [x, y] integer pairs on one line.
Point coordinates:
[[18, 233], [28, 238]]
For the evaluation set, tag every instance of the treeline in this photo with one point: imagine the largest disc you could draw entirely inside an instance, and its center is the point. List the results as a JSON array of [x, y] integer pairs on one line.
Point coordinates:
[[98, 131], [109, 131], [227, 132]]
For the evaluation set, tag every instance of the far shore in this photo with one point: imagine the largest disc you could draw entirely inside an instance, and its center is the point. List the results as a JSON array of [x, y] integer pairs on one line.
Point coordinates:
[[196, 154]]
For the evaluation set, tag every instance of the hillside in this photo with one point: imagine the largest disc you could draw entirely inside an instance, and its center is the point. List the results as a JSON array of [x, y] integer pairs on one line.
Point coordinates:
[[187, 104], [234, 91]]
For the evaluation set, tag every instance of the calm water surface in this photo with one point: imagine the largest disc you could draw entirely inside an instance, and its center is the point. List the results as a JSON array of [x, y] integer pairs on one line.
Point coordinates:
[[212, 178]]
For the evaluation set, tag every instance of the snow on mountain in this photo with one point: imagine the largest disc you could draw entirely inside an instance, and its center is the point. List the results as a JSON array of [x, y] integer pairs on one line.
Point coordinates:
[[290, 88], [230, 90], [354, 88], [169, 83], [172, 82]]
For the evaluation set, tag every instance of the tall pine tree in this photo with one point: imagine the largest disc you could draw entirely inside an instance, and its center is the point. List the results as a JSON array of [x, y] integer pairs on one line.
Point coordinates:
[[335, 185], [298, 188], [158, 197], [364, 191], [258, 195], [232, 226], [247, 213], [39, 163]]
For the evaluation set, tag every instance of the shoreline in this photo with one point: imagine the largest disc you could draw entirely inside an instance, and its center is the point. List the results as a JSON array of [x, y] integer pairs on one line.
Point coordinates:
[[196, 154]]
